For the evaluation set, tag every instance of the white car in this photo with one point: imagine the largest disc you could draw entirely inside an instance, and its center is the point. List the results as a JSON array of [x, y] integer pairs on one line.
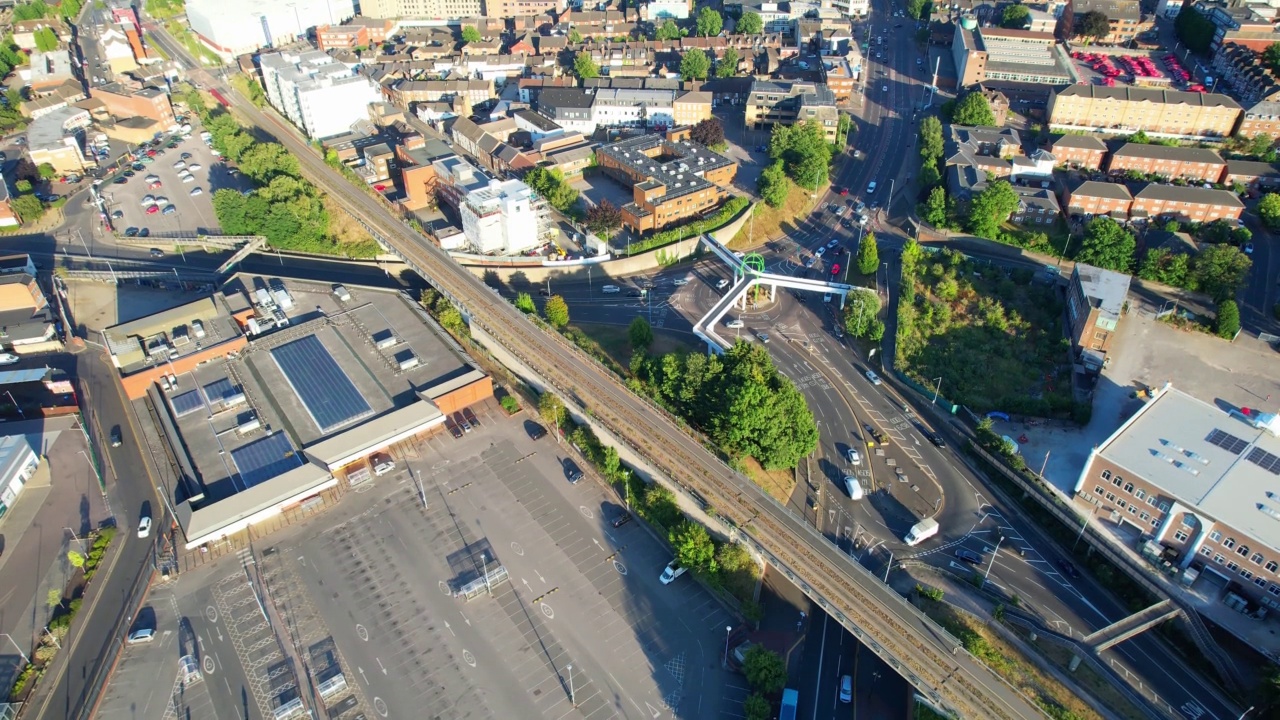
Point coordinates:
[[162, 200], [196, 191], [138, 637], [871, 187], [144, 527], [854, 457], [734, 324], [722, 284], [152, 178], [179, 165], [189, 179], [148, 200], [853, 487], [819, 251], [194, 168], [8, 358], [671, 572]]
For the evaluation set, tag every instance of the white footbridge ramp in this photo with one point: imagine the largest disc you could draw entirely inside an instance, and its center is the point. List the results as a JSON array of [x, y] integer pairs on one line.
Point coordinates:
[[748, 271]]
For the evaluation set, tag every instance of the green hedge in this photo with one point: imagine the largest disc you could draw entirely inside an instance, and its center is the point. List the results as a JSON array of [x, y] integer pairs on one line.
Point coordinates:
[[727, 213]]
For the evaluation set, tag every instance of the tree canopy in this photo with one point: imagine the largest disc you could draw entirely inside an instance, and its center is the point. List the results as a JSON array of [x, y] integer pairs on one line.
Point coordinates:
[[773, 184], [861, 315], [556, 311], [804, 152], [739, 399], [709, 22], [1228, 321], [603, 218], [584, 66], [694, 548], [974, 109], [668, 30], [918, 9], [728, 64], [765, 670], [1107, 245], [750, 24], [1271, 56], [640, 334], [551, 185], [709, 132], [934, 208], [1015, 17], [868, 254], [991, 208], [1093, 24], [470, 34], [1220, 270], [1269, 210], [694, 65]]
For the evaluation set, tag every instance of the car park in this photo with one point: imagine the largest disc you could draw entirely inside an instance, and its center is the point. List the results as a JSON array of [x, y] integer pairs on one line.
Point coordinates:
[[969, 556]]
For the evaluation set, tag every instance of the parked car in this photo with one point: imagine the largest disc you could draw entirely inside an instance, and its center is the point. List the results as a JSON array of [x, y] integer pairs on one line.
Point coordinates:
[[673, 570], [622, 519], [471, 417], [572, 472], [8, 358], [462, 422], [537, 432]]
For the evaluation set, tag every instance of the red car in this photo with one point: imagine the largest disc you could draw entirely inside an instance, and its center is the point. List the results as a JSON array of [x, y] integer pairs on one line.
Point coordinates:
[[835, 269], [153, 209], [151, 153], [844, 191], [154, 185]]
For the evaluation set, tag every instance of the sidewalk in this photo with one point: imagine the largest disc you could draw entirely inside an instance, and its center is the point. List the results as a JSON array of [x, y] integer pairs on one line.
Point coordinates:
[[18, 519]]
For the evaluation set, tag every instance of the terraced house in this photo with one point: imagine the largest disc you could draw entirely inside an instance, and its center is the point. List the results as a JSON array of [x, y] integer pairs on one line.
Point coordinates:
[[1126, 110], [1168, 162], [671, 178]]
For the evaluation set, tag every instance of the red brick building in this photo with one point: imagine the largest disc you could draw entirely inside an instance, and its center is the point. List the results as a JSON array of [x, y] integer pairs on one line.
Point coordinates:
[[1168, 162], [1092, 198], [1079, 151], [1194, 204]]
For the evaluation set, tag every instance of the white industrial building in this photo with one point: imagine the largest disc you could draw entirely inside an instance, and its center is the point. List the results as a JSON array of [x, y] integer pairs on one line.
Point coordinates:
[[233, 27], [18, 462], [501, 218], [319, 94]]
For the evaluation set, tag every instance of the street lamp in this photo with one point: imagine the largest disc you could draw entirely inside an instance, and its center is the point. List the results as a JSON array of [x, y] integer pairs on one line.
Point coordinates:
[[937, 386], [727, 629], [484, 559], [73, 534], [19, 649], [417, 474], [572, 698], [993, 561], [15, 405]]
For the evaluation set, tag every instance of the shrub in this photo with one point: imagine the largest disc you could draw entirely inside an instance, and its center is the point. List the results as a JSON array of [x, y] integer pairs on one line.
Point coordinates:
[[510, 404]]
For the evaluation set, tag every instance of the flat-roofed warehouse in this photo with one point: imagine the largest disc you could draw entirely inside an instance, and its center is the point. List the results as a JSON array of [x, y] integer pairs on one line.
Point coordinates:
[[319, 383]]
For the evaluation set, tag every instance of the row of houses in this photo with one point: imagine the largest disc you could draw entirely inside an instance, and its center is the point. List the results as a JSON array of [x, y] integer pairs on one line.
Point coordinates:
[[1152, 202]]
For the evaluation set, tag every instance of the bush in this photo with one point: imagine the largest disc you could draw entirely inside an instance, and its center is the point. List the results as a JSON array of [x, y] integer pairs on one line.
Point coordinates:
[[1228, 323], [510, 404]]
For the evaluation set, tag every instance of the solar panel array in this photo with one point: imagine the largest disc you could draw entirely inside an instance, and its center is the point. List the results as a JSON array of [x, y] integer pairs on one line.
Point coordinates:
[[326, 391], [186, 403], [219, 390], [1264, 460], [1227, 441], [264, 459]]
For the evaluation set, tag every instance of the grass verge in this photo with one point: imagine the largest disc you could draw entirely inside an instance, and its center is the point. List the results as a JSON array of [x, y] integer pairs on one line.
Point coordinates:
[[1099, 687], [614, 342], [778, 483], [771, 223]]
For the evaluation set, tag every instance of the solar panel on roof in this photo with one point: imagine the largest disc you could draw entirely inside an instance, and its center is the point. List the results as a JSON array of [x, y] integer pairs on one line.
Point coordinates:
[[218, 390], [186, 403], [1227, 441], [1264, 460], [325, 390], [264, 459]]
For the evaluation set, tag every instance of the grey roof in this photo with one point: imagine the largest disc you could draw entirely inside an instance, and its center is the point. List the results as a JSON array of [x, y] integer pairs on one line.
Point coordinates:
[[1135, 94], [1037, 198], [681, 166], [1220, 463], [1198, 195], [15, 453], [1094, 188], [332, 451], [1082, 142], [1105, 290], [1166, 152], [558, 97], [541, 122], [1251, 168]]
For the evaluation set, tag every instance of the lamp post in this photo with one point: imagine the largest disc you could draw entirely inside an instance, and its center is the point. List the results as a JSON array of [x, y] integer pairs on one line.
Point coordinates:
[[993, 561], [572, 698], [727, 630], [484, 559], [1246, 712], [936, 388], [25, 659], [73, 534], [417, 475], [15, 405]]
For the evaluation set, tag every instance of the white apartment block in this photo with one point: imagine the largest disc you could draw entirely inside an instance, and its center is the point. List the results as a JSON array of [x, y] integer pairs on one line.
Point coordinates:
[[858, 8], [319, 94], [614, 107], [233, 27], [421, 8], [501, 218]]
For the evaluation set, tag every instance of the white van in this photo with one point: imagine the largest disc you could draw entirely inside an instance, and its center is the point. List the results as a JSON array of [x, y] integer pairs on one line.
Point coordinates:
[[610, 289], [853, 487]]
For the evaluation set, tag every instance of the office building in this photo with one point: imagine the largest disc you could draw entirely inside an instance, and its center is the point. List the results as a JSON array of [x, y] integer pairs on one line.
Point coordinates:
[[425, 9], [671, 178], [320, 95], [502, 218], [982, 54], [770, 103]]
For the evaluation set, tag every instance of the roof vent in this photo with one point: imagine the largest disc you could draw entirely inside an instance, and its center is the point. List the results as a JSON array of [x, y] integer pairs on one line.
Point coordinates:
[[1269, 511]]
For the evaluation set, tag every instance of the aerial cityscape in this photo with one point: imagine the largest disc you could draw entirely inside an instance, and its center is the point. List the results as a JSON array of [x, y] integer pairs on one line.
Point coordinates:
[[706, 359]]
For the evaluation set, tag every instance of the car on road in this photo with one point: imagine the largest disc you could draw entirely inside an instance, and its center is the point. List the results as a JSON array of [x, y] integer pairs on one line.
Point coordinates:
[[937, 440], [673, 570], [622, 519], [762, 148], [722, 284], [853, 487], [835, 268], [764, 337], [834, 242], [853, 457], [139, 637], [846, 689], [873, 377], [157, 253], [809, 261], [1248, 248], [572, 472], [1068, 569], [734, 324], [680, 282], [116, 438], [8, 358], [871, 187], [144, 527], [969, 556]]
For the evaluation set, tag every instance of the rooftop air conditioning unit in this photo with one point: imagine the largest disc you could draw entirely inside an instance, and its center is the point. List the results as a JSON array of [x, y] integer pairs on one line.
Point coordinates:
[[388, 342], [248, 427]]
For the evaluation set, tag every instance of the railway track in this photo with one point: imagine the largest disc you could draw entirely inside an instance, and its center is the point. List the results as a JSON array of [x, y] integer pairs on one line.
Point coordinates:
[[921, 651]]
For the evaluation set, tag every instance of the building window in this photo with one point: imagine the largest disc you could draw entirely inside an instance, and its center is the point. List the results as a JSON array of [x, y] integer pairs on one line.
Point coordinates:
[[1233, 566], [1111, 497], [1117, 481], [1180, 536], [1273, 589], [1151, 500], [1229, 543], [1215, 536], [1205, 551], [1155, 523], [1164, 506], [1144, 516], [1272, 566], [1098, 490], [1246, 574], [1243, 551], [1122, 503], [1260, 581], [1219, 559], [1188, 520], [1129, 489]]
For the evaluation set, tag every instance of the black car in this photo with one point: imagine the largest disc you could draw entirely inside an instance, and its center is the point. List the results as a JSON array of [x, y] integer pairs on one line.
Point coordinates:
[[116, 438], [120, 180], [144, 232], [462, 422], [1068, 569], [969, 556], [543, 292], [622, 519], [453, 428], [471, 417], [572, 472], [937, 440], [131, 232], [537, 432]]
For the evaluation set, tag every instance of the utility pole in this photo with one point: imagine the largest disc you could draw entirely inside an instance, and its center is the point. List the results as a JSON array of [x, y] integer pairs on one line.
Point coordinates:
[[993, 561]]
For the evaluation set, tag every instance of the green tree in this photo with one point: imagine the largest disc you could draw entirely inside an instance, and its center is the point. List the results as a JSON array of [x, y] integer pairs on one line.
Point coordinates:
[[843, 125], [640, 333], [728, 64], [46, 171], [584, 67], [918, 9], [263, 161], [733, 557], [53, 598], [934, 209], [756, 707], [556, 311], [1220, 270], [668, 30], [861, 313], [1262, 146], [27, 207], [1194, 29], [46, 40], [694, 65], [1269, 210], [694, 548], [974, 109], [23, 186], [1162, 266], [1228, 322], [991, 208], [931, 146], [774, 185], [750, 24], [470, 34], [1093, 24], [75, 558], [765, 670], [868, 254], [805, 153], [551, 409], [1172, 226], [1107, 245], [575, 37], [709, 22], [524, 303], [1015, 17]]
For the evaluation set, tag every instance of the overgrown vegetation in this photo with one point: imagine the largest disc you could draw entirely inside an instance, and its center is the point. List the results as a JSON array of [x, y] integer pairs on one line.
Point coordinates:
[[1194, 29], [995, 338], [551, 185], [727, 212], [445, 313], [165, 9], [285, 208]]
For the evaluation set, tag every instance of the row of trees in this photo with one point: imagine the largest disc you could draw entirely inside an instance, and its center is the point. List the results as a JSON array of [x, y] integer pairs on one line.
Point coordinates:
[[739, 399], [931, 149], [1217, 270], [801, 154], [38, 10]]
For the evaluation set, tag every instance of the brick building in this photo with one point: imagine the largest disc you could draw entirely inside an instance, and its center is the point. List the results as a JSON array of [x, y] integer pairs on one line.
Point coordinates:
[[1261, 118], [147, 103], [671, 177], [1194, 204], [1125, 110], [1091, 198], [1200, 482], [1079, 151], [786, 103], [1124, 16], [1168, 162], [1256, 175], [1095, 301]]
